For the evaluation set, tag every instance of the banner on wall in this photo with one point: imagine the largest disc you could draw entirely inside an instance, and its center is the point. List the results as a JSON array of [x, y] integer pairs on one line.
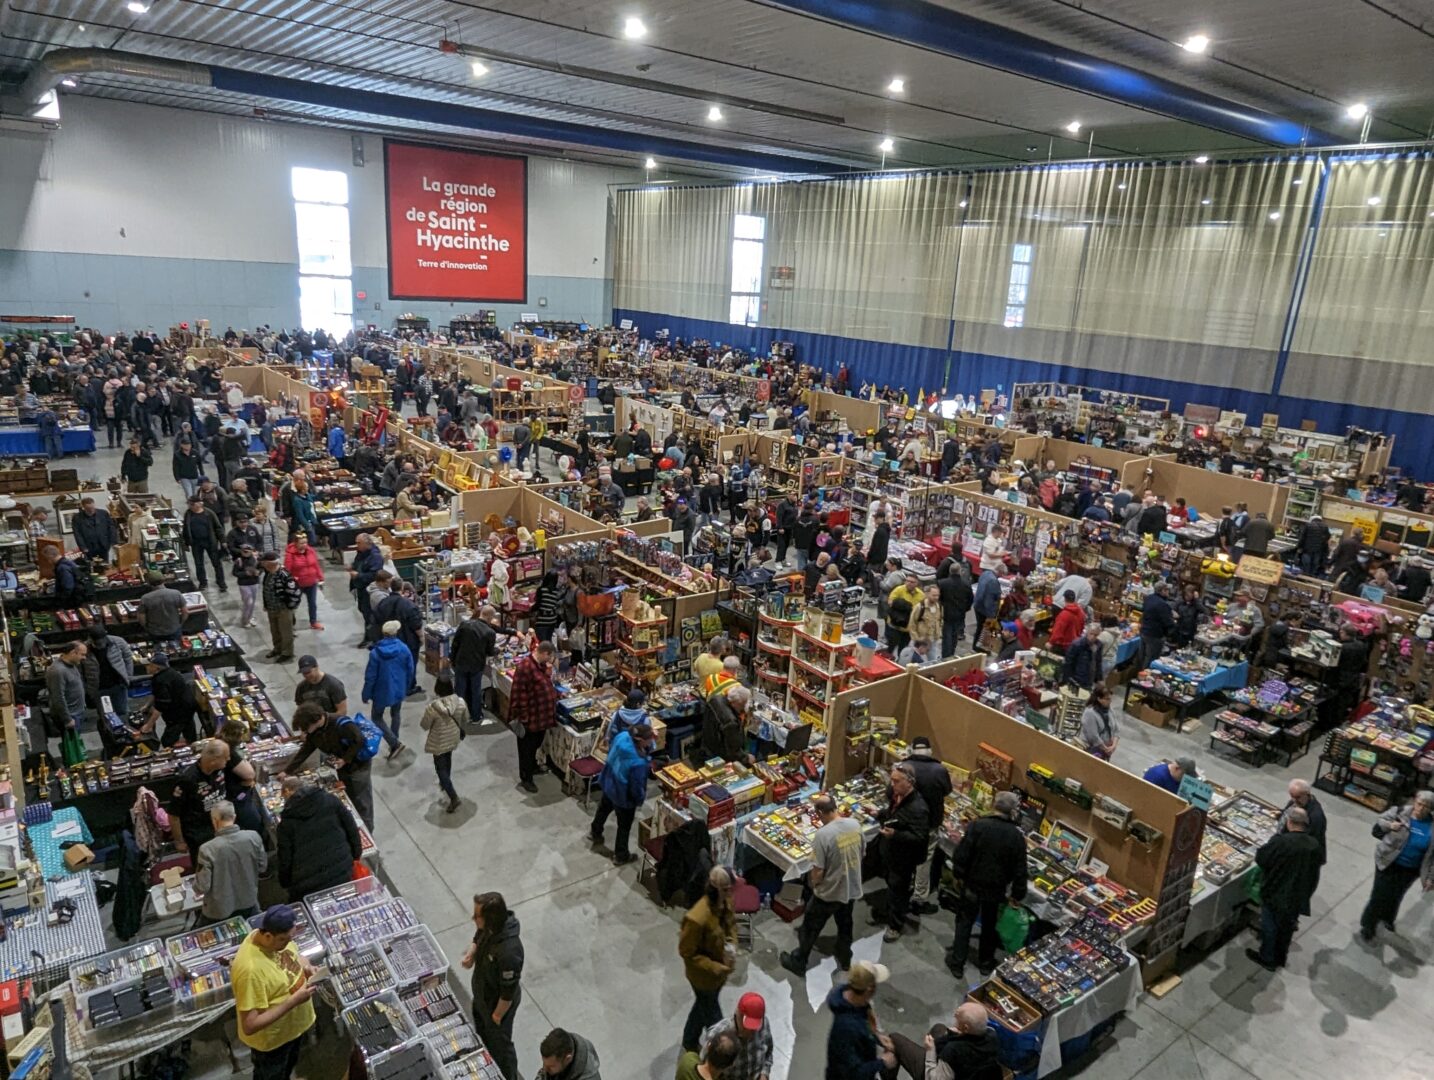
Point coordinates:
[[457, 224]]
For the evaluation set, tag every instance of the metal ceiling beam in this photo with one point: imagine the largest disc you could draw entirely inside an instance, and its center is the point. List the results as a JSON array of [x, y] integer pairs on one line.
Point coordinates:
[[928, 26], [634, 82]]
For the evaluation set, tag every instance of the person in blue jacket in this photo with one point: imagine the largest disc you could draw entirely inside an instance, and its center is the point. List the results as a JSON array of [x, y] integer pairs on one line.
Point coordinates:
[[1168, 774], [855, 1050], [987, 599], [386, 681], [629, 715], [624, 787], [336, 442]]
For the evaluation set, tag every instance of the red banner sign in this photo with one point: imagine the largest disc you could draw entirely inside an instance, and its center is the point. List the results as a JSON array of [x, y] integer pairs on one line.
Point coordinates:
[[457, 224]]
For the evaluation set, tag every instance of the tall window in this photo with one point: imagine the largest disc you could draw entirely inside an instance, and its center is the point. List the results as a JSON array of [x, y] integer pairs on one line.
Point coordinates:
[[321, 219], [1019, 285], [748, 234]]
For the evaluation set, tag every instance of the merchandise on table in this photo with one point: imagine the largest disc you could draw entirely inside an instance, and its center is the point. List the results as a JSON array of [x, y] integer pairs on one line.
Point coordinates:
[[378, 1025], [1087, 895], [588, 709], [1247, 818], [122, 985], [360, 974], [1059, 968], [272, 792], [369, 924], [205, 643], [240, 695], [430, 1003], [1222, 857], [413, 955], [414, 1061], [347, 898]]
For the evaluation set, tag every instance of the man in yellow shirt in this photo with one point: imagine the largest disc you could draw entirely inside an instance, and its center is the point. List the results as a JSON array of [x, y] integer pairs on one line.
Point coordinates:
[[710, 662], [899, 606], [271, 994]]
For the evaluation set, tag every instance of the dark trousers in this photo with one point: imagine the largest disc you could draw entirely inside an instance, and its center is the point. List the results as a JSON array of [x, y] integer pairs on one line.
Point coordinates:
[[625, 816], [443, 766], [470, 689], [1386, 896], [784, 537], [952, 631], [528, 744], [358, 783], [897, 639], [498, 1038], [705, 1011], [911, 1055], [815, 921], [968, 909], [311, 593], [213, 553], [114, 430], [276, 1064], [900, 881], [366, 611], [1277, 930]]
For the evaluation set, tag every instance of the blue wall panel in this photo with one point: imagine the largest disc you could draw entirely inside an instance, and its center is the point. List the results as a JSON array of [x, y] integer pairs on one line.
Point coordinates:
[[914, 368]]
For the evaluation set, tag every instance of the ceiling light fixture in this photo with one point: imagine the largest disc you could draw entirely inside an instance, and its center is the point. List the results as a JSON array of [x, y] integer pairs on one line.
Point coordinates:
[[714, 114], [962, 205], [1274, 215], [1195, 43], [887, 145], [649, 164], [1373, 200], [1205, 202], [1202, 159], [896, 86], [1119, 187], [1358, 111], [634, 28], [479, 69], [1073, 127], [1297, 181], [139, 7]]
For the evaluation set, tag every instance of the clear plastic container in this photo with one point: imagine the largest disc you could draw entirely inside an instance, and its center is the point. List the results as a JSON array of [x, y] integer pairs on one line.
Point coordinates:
[[349, 897], [413, 955], [365, 1023], [142, 969]]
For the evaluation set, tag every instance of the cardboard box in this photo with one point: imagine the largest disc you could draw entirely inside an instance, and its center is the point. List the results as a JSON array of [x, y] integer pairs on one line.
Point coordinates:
[[78, 856]]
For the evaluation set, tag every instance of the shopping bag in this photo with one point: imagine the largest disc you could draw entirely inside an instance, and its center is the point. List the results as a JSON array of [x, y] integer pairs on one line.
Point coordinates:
[[72, 747], [361, 870], [1012, 925], [1254, 883]]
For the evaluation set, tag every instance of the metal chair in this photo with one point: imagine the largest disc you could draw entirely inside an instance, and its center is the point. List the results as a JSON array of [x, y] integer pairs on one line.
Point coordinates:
[[586, 769], [746, 902]]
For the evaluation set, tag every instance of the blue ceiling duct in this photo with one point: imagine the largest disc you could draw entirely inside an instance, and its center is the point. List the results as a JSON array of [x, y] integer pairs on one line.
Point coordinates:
[[926, 25], [396, 106]]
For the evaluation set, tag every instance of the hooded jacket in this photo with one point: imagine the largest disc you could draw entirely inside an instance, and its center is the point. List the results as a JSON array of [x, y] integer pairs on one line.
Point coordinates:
[[443, 720], [851, 1046], [498, 965], [584, 1065], [318, 843], [624, 776], [389, 674]]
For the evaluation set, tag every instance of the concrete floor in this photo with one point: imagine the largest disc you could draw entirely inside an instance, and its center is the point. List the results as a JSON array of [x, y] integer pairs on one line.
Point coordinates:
[[602, 959]]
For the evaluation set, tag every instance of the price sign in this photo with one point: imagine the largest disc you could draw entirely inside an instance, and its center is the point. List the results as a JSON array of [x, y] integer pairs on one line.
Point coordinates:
[[1196, 792]]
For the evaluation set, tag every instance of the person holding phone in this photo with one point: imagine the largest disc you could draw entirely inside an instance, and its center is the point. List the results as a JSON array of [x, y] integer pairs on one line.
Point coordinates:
[[272, 992]]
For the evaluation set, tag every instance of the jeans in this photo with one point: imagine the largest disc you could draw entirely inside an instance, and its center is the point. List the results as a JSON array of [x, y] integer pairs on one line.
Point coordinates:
[[1386, 895], [54, 446], [119, 699], [276, 1064], [189, 486], [625, 816], [528, 744], [443, 766], [706, 1010], [358, 784], [311, 593], [1277, 930], [815, 921], [470, 689], [389, 730], [921, 892], [248, 595], [498, 1038], [968, 908], [213, 553], [801, 559], [522, 455]]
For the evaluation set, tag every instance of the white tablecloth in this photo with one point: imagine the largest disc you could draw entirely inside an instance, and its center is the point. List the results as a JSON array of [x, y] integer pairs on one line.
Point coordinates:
[[1216, 906], [1085, 1013]]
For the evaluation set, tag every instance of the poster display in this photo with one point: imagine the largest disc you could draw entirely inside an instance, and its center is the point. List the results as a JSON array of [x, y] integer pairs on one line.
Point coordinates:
[[457, 224]]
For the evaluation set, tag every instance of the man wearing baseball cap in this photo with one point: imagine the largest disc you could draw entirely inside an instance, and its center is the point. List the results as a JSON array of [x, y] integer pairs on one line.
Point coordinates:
[[854, 1046], [754, 1039], [272, 989], [1168, 774]]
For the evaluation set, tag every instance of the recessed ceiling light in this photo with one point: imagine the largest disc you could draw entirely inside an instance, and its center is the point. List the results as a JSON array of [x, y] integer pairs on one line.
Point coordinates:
[[714, 114], [962, 205], [1195, 43], [896, 86], [1119, 187], [886, 146], [68, 82], [1073, 126], [139, 7], [1202, 159], [479, 69], [1384, 234], [1297, 180], [1204, 202], [649, 164], [634, 28], [1358, 111], [1373, 200], [1274, 215]]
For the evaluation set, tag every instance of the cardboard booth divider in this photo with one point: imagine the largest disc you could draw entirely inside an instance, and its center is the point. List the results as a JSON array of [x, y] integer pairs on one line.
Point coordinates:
[[1129, 468], [1207, 491], [861, 415]]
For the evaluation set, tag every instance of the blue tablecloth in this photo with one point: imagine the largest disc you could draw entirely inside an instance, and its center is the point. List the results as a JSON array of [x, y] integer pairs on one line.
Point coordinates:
[[1222, 678], [25, 441], [47, 848], [1126, 650]]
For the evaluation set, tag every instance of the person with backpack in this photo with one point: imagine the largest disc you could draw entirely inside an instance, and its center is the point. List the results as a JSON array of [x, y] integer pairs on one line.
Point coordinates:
[[281, 595], [352, 741], [386, 680]]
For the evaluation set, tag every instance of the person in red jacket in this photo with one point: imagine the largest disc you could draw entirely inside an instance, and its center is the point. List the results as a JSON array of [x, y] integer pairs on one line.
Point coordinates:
[[533, 705], [1069, 622], [302, 562]]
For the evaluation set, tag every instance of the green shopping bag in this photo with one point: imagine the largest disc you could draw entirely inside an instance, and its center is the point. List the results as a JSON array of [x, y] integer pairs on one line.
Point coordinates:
[[1012, 927], [72, 748], [1254, 882]]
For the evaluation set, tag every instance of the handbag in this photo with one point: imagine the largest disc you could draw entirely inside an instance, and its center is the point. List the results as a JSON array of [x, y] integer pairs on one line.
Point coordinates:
[[596, 605], [72, 748]]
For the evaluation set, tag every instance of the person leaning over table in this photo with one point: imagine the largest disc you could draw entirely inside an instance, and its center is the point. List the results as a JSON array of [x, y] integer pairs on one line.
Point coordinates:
[[344, 741], [272, 994], [200, 787], [318, 842]]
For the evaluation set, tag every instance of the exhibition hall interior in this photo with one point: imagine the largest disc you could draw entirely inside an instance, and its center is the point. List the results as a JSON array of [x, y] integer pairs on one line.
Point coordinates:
[[724, 540]]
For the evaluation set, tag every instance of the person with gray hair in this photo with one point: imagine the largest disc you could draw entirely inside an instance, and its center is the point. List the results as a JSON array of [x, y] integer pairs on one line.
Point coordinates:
[[318, 839], [724, 724], [903, 824], [1302, 798], [990, 862], [229, 866], [967, 1050], [1289, 869], [1404, 855]]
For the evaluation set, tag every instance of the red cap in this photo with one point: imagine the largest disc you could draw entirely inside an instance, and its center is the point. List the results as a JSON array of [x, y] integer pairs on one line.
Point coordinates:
[[752, 1008]]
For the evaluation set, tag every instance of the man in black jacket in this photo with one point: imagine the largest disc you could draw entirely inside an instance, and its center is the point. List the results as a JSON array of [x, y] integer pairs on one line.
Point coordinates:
[[368, 561], [990, 863], [344, 741], [969, 1049], [1289, 863], [956, 600], [877, 550], [94, 531], [397, 607], [786, 522], [1083, 658], [496, 957], [1302, 797], [804, 532], [933, 784], [723, 725], [135, 466], [1312, 547], [1157, 621], [474, 643], [173, 701], [204, 536], [318, 840], [905, 825]]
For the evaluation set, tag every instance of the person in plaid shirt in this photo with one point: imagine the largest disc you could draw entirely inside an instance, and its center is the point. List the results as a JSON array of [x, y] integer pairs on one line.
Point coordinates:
[[754, 1039], [533, 705]]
